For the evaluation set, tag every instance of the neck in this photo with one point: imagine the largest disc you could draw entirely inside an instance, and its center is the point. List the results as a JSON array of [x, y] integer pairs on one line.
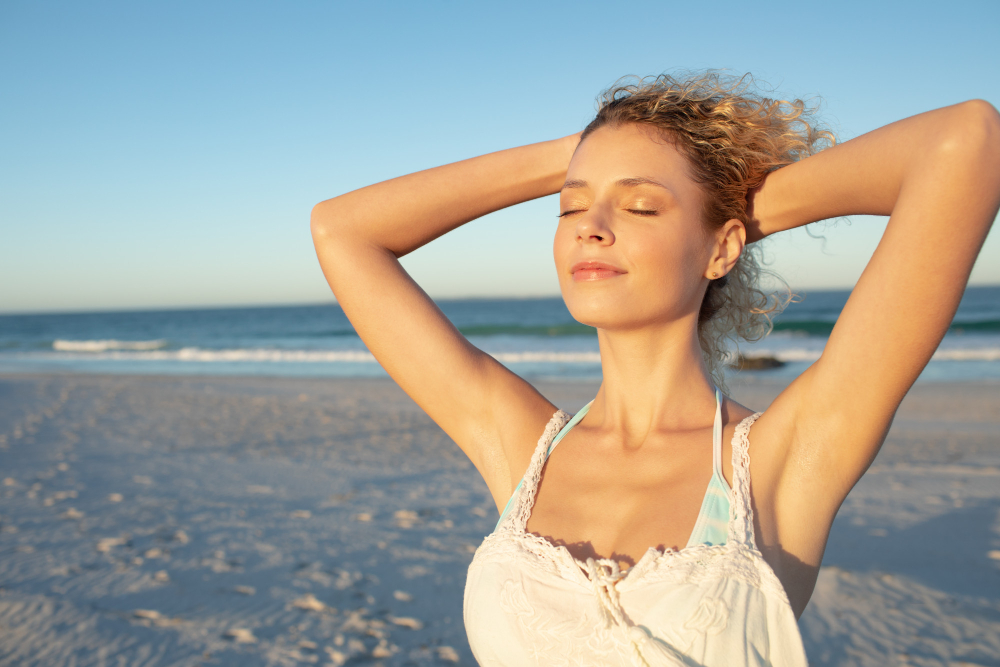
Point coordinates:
[[654, 378]]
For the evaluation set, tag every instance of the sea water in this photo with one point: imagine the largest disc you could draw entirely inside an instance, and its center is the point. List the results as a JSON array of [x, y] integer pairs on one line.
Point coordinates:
[[536, 338]]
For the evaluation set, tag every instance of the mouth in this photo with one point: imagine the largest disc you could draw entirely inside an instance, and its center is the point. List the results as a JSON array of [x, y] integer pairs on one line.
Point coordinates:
[[590, 270]]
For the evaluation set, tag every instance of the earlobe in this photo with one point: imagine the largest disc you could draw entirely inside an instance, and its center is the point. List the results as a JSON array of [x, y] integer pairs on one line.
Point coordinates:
[[732, 240]]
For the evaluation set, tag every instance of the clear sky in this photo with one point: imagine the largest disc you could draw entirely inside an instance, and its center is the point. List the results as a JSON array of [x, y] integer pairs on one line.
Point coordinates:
[[161, 154]]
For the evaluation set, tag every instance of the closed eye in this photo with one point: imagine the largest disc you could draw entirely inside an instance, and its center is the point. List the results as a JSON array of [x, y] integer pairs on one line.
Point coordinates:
[[565, 213], [639, 211]]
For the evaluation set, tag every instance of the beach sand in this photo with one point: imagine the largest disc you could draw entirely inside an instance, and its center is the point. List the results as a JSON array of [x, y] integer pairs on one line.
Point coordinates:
[[266, 521]]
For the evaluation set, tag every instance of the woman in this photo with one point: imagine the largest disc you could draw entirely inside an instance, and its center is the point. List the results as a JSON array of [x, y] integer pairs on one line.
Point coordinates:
[[636, 541]]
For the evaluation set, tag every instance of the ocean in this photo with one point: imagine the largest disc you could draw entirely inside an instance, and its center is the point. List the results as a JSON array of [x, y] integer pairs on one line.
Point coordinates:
[[537, 338]]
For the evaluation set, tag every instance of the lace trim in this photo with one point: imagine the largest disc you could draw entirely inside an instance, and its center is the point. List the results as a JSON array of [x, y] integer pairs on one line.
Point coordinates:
[[518, 519], [741, 509]]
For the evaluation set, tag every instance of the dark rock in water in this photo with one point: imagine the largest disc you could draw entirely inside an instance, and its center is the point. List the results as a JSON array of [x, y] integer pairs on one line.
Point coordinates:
[[744, 363]]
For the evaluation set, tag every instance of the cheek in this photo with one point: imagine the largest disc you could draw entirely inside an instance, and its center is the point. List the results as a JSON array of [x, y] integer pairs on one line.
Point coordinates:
[[663, 256], [562, 245]]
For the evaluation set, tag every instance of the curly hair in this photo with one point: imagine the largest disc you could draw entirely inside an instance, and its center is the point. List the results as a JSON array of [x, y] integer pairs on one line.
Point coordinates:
[[733, 137]]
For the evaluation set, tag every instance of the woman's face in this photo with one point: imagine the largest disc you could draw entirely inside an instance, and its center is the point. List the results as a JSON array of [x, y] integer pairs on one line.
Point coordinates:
[[631, 248]]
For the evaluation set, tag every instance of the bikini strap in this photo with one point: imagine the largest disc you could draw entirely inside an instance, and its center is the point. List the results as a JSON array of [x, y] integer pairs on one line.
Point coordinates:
[[577, 418], [740, 509]]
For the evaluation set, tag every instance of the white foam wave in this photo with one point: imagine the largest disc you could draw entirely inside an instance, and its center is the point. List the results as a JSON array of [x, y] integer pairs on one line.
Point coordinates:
[[548, 357], [201, 355], [788, 355], [957, 354], [950, 354], [148, 351], [196, 354], [105, 345]]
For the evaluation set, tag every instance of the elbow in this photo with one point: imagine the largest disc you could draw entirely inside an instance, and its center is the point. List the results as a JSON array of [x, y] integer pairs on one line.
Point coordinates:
[[982, 121], [974, 133], [322, 220]]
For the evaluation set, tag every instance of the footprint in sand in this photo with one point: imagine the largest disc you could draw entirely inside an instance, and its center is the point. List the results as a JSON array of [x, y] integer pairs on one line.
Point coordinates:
[[245, 590], [406, 622], [72, 513], [106, 544], [151, 617], [402, 596], [240, 635], [161, 576], [308, 602], [336, 657], [115, 497], [406, 518], [384, 649], [447, 654]]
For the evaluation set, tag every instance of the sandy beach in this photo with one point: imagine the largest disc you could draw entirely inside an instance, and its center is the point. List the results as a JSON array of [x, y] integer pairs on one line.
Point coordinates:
[[264, 521]]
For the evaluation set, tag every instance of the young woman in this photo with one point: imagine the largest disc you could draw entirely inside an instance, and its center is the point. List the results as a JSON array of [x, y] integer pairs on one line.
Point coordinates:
[[640, 540]]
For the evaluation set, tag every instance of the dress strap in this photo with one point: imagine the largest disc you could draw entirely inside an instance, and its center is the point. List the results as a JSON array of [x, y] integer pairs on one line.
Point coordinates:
[[567, 428], [556, 428], [740, 509], [717, 435]]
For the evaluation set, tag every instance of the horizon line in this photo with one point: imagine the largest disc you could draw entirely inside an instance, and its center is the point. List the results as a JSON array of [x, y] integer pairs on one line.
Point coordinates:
[[333, 302]]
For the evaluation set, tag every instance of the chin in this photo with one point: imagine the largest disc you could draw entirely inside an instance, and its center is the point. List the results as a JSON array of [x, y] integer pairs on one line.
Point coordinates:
[[602, 310], [618, 309]]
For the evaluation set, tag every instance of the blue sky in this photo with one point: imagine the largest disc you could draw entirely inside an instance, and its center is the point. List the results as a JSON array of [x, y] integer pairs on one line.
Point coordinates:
[[168, 154]]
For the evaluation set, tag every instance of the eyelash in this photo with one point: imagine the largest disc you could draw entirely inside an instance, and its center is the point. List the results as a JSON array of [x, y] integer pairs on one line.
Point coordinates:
[[630, 210]]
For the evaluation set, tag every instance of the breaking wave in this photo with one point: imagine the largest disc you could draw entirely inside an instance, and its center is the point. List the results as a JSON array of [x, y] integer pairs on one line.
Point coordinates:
[[105, 345], [150, 351]]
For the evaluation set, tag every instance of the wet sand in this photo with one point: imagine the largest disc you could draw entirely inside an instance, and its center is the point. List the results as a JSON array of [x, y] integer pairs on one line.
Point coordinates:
[[266, 521]]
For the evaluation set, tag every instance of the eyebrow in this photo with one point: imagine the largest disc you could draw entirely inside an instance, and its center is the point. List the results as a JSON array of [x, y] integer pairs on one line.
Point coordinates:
[[624, 182]]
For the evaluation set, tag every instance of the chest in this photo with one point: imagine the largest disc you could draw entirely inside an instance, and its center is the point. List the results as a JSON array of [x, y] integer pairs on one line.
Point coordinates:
[[601, 499]]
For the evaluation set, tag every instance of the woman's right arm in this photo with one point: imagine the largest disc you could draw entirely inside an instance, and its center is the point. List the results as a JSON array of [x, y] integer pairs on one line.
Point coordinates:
[[493, 415]]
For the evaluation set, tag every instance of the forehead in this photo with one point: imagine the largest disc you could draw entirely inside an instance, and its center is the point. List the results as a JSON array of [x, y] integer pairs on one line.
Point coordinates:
[[613, 154]]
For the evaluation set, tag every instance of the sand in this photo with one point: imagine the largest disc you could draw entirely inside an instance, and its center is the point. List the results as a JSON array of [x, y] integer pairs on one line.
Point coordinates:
[[263, 521]]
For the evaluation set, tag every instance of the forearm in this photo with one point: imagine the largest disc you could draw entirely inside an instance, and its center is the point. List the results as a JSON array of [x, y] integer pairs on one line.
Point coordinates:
[[868, 174], [404, 213]]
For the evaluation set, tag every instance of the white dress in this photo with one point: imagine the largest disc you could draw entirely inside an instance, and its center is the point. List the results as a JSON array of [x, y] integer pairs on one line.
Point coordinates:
[[529, 602]]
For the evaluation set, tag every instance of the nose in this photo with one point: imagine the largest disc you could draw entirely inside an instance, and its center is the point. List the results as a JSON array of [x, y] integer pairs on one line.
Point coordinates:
[[593, 227]]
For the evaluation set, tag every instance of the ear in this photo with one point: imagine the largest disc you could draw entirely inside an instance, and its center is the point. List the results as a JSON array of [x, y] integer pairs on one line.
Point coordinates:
[[729, 242]]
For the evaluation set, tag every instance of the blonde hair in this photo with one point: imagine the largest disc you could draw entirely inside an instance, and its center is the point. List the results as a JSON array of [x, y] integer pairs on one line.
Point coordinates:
[[733, 137]]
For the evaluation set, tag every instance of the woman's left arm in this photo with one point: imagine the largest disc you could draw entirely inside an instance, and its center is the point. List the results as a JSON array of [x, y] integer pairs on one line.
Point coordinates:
[[937, 177]]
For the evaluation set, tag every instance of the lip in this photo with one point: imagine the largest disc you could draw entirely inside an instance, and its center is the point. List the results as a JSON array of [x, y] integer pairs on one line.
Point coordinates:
[[592, 270]]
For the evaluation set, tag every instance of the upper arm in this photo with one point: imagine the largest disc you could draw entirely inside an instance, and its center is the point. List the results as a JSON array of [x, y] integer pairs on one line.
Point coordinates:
[[942, 198], [486, 409]]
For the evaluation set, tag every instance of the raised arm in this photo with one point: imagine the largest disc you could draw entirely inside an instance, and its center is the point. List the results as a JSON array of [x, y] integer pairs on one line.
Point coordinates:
[[937, 175], [359, 236]]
